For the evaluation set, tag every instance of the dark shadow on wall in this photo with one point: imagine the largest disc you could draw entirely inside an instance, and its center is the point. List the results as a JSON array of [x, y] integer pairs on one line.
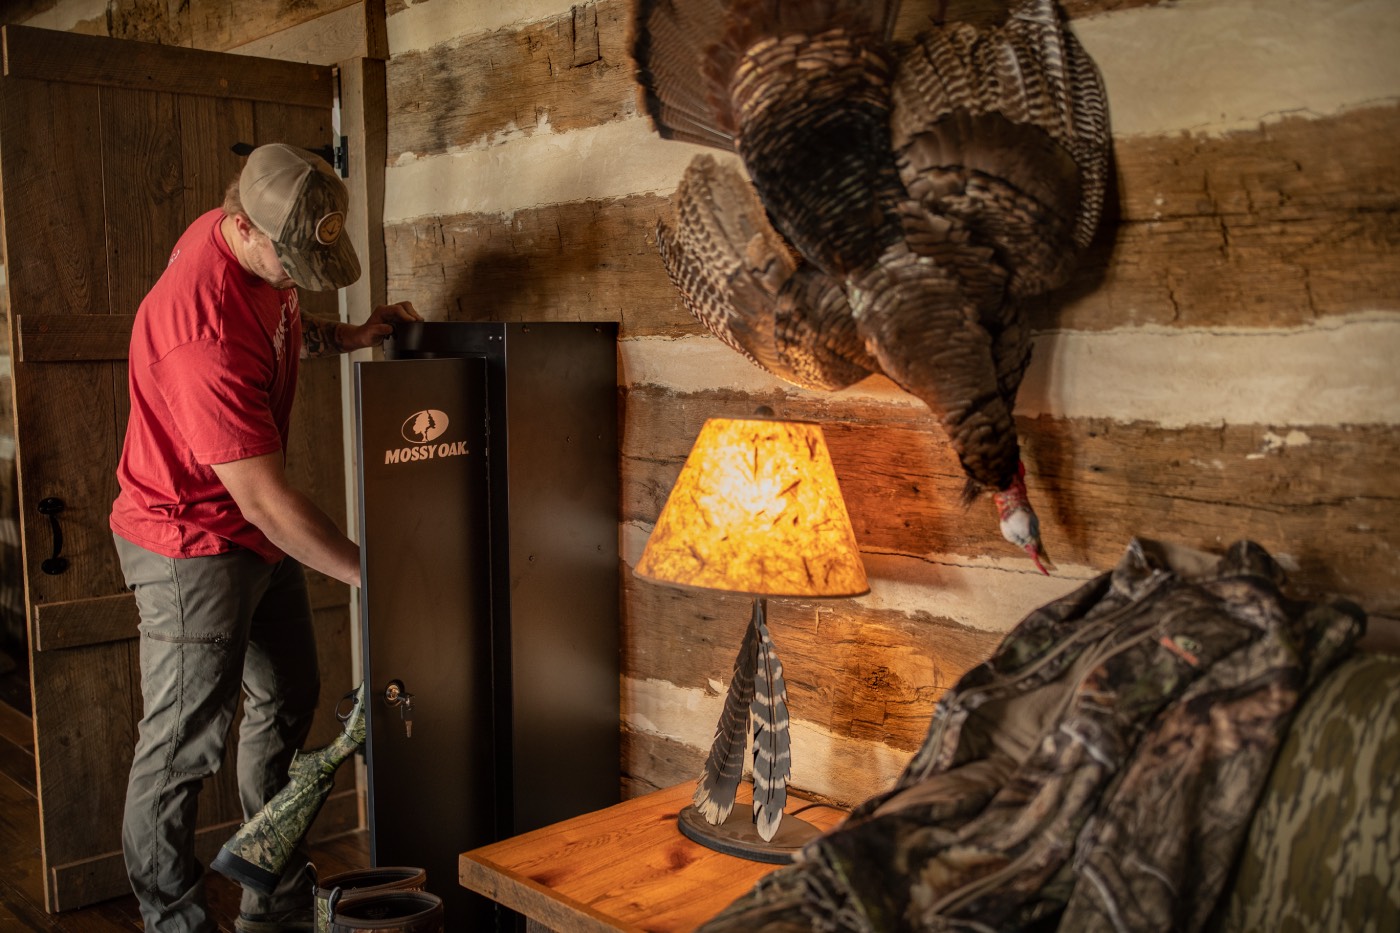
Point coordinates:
[[1051, 458]]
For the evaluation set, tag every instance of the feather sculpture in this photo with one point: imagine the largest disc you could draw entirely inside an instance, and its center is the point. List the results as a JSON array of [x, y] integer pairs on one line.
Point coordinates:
[[757, 695], [901, 201], [772, 755], [714, 794]]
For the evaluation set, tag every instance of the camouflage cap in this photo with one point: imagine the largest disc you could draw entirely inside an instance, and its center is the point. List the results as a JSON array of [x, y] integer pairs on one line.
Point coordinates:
[[296, 199]]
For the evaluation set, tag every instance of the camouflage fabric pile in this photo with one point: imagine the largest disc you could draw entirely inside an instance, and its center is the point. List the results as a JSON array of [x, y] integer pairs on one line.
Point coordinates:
[[1097, 773], [1323, 852]]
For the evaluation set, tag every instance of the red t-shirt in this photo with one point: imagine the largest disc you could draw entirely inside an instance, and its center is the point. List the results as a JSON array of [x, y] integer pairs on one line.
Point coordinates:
[[213, 372]]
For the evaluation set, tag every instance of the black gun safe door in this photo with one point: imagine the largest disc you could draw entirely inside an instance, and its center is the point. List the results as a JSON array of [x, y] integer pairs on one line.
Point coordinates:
[[488, 493]]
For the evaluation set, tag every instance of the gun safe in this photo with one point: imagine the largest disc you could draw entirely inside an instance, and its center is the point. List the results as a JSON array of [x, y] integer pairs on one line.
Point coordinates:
[[488, 509]]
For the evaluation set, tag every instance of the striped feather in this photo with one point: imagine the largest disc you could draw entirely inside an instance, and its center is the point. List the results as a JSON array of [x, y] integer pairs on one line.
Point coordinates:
[[714, 794], [688, 53], [740, 279], [772, 754]]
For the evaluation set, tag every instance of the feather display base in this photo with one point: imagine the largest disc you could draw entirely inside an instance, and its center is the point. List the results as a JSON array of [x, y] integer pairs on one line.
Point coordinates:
[[738, 835]]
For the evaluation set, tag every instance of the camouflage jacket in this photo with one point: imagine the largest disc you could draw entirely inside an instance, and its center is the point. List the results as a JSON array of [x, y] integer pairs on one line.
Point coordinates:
[[1098, 772]]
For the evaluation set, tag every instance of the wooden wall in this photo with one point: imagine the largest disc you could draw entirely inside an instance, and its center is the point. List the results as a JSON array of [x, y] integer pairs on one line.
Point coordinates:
[[1222, 367], [213, 25]]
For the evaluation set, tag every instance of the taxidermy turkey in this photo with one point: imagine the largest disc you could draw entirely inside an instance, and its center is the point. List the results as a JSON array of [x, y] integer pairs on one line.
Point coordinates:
[[901, 200]]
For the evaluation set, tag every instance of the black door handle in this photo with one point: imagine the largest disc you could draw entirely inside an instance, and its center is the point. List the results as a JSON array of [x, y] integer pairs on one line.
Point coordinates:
[[57, 563]]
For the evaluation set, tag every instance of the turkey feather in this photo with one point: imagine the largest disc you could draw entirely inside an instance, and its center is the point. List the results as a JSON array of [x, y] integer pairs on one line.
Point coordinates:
[[714, 794], [772, 754], [907, 198]]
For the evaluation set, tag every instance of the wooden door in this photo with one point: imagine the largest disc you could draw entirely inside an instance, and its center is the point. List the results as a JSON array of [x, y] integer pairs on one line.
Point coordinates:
[[108, 150]]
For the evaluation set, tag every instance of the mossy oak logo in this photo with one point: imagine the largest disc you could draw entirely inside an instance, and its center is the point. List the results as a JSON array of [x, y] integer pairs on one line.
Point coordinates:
[[424, 426], [328, 228], [422, 429]]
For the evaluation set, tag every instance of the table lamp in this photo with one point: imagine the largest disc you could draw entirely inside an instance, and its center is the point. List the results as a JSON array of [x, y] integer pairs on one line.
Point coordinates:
[[756, 510]]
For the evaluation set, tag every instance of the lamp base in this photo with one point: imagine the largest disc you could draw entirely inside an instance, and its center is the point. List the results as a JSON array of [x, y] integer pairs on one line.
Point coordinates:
[[738, 835]]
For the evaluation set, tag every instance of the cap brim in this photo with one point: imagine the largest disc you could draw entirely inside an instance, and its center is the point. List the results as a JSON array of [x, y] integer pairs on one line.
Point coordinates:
[[324, 268]]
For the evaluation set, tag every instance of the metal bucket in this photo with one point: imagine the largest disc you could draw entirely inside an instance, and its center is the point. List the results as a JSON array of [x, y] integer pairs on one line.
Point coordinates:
[[387, 912], [362, 882]]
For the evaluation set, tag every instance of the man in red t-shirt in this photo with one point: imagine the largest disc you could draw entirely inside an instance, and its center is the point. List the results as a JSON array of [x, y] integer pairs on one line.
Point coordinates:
[[211, 535]]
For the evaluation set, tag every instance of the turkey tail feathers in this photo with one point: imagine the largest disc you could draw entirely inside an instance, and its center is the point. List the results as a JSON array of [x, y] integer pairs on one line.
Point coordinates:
[[687, 52], [670, 40], [772, 754], [714, 794]]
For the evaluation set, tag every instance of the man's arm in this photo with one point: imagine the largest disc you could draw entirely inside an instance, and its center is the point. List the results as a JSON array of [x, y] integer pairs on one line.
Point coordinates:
[[290, 520], [320, 337]]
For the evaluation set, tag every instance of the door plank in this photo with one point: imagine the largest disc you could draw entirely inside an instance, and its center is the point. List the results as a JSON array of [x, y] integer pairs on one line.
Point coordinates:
[[78, 622], [52, 199], [67, 448], [146, 190], [210, 167], [48, 338], [49, 55], [84, 743]]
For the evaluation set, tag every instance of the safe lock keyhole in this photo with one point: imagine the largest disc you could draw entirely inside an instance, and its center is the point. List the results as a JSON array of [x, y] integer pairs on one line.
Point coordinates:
[[396, 695]]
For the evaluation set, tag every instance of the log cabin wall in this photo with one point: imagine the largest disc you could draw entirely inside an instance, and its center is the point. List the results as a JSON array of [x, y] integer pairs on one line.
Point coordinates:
[[1222, 367]]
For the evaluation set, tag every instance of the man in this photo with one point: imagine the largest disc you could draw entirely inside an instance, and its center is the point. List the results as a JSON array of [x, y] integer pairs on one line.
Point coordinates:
[[211, 536]]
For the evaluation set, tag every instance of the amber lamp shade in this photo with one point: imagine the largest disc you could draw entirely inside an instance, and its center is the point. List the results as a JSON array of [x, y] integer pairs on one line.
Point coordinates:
[[756, 510]]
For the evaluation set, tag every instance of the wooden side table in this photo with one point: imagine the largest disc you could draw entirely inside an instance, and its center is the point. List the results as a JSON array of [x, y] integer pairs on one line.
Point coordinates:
[[626, 867]]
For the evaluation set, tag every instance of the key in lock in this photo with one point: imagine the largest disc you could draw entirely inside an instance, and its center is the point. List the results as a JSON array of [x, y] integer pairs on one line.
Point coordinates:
[[396, 695]]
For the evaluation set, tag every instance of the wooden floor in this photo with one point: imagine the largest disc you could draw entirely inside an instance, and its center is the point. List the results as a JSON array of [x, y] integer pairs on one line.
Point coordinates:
[[21, 877]]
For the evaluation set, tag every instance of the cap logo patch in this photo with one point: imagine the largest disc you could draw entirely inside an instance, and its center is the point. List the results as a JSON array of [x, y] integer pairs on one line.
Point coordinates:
[[328, 228]]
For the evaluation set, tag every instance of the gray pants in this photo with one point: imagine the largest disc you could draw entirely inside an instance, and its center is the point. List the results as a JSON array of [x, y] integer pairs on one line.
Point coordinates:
[[210, 625]]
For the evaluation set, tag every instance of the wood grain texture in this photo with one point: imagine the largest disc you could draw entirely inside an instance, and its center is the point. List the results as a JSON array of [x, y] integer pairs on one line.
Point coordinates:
[[76, 465], [78, 622], [207, 170], [865, 674], [652, 762], [364, 124], [53, 199], [22, 882], [55, 339], [223, 24], [125, 169], [553, 76], [589, 261], [145, 191], [1272, 228], [626, 867], [569, 71], [49, 55], [352, 32], [84, 750], [1325, 506]]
